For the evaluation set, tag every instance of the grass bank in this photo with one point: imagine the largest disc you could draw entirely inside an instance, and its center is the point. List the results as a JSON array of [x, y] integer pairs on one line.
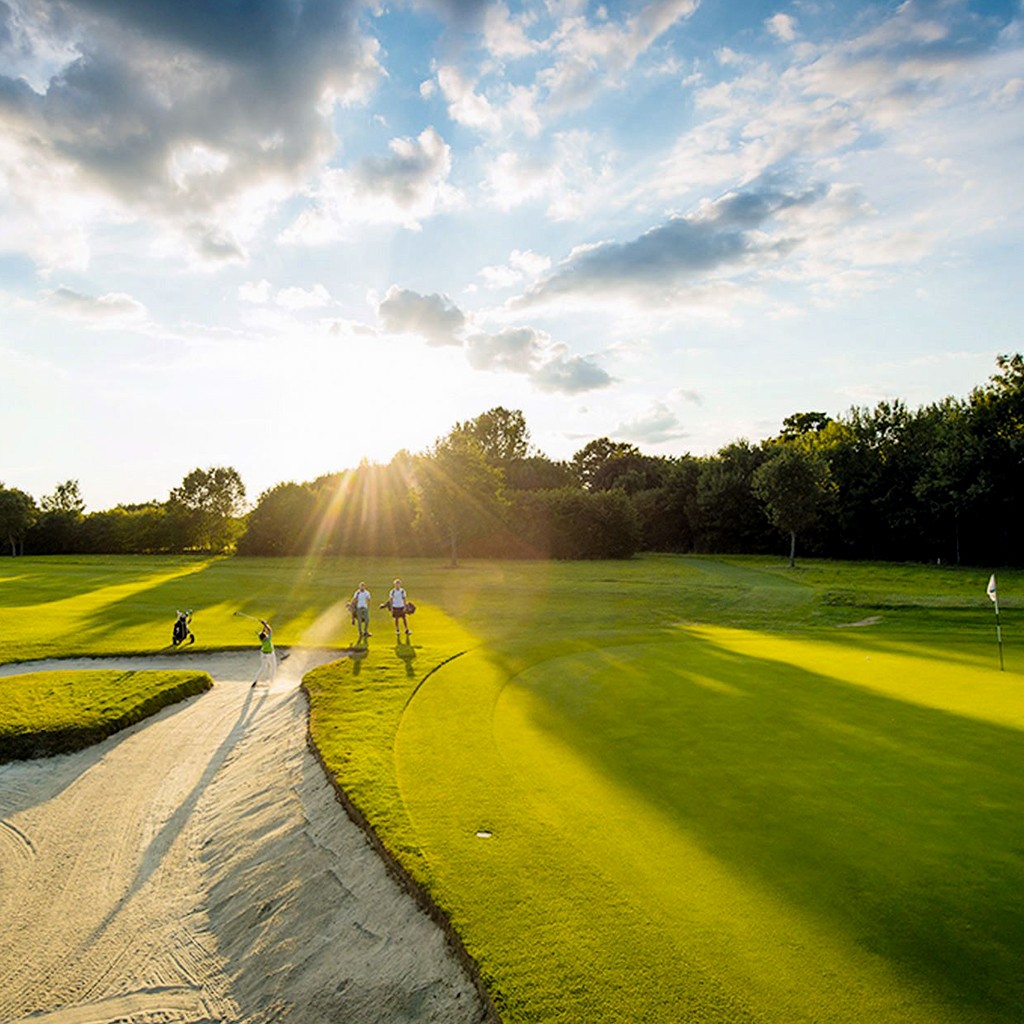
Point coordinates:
[[46, 713]]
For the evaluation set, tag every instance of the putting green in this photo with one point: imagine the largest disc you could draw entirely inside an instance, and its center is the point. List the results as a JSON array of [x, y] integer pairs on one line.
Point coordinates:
[[725, 826]]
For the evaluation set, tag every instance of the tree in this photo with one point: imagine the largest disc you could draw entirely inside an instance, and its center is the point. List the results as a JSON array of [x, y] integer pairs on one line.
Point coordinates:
[[66, 497], [458, 491], [948, 482], [666, 513], [727, 516], [127, 529], [571, 523], [801, 423], [997, 426], [17, 514], [365, 511], [538, 473], [792, 484], [280, 523], [57, 529], [604, 464], [209, 500], [501, 434]]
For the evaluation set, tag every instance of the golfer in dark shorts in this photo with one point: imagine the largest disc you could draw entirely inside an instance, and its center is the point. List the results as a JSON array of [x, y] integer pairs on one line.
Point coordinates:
[[398, 600]]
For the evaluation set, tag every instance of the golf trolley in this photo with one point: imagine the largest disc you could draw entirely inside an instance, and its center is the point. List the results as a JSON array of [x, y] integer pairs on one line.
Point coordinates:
[[181, 631]]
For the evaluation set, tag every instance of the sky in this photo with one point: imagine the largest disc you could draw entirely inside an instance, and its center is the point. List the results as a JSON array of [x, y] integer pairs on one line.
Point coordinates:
[[289, 235]]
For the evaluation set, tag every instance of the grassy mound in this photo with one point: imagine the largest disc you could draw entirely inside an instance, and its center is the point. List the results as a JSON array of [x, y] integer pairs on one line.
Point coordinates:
[[46, 713]]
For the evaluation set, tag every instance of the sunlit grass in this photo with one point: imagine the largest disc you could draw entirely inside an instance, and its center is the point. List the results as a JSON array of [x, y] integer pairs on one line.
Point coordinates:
[[44, 713]]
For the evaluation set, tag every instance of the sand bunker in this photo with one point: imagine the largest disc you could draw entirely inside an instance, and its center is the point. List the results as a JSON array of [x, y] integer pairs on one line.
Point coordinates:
[[198, 868]]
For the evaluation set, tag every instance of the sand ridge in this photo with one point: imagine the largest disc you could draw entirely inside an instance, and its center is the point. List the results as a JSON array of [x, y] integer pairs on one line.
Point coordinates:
[[197, 868]]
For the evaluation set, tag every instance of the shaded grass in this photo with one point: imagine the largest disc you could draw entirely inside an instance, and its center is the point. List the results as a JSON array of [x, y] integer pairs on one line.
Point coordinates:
[[888, 823], [46, 713]]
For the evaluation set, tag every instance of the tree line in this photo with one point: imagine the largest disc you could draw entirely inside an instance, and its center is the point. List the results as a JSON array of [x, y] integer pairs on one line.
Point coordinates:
[[940, 483]]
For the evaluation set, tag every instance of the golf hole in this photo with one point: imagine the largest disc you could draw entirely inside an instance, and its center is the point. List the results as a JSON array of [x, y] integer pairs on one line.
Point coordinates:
[[484, 833]]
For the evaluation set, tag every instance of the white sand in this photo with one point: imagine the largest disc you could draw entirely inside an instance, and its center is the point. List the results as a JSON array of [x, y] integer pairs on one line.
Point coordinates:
[[197, 867]]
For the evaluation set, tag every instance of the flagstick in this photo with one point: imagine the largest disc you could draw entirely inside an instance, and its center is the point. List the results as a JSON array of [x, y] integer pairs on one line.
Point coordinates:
[[999, 634]]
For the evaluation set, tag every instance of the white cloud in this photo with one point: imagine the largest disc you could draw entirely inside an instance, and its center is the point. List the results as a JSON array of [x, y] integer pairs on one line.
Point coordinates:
[[782, 26], [506, 37], [405, 187], [500, 277], [655, 425], [304, 298], [549, 366], [465, 105], [569, 374], [517, 349], [256, 292], [593, 56], [511, 109], [573, 176], [521, 265], [531, 352]]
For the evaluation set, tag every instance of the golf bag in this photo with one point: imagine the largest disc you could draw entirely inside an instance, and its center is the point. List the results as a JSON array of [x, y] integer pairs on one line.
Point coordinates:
[[181, 631]]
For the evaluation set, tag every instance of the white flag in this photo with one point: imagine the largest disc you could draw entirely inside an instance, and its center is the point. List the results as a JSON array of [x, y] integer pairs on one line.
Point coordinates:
[[991, 591]]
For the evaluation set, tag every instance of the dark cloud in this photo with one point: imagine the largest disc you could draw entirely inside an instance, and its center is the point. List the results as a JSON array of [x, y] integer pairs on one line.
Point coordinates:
[[414, 166], [260, 32], [6, 30], [751, 208], [516, 348], [726, 233], [570, 375], [216, 245], [433, 317], [177, 107], [80, 306], [521, 350], [530, 352], [462, 14]]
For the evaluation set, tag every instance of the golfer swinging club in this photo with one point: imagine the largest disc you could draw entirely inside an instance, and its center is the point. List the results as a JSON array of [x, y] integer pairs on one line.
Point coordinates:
[[267, 659]]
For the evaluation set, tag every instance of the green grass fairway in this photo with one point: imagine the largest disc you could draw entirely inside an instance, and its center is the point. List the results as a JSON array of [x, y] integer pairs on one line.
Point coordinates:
[[44, 713], [660, 791], [702, 790], [127, 605]]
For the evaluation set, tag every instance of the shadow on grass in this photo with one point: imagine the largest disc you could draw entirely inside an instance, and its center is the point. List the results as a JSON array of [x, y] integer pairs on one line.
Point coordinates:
[[256, 587], [49, 579], [897, 824]]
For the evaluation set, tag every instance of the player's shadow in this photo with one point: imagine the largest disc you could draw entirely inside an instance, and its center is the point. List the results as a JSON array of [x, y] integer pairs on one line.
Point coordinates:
[[357, 655], [407, 653], [165, 838]]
